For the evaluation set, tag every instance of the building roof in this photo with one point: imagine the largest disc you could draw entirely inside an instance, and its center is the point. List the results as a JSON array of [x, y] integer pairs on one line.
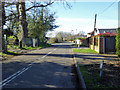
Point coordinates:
[[107, 30], [91, 32]]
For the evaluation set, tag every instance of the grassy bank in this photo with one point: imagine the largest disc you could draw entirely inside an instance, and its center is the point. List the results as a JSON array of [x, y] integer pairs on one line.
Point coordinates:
[[84, 51]]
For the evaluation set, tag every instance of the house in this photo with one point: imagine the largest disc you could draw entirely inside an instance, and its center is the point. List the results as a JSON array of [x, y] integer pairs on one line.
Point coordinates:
[[98, 31], [90, 34], [103, 40]]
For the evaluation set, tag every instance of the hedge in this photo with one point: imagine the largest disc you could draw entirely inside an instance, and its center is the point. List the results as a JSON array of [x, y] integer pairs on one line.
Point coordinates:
[[118, 42]]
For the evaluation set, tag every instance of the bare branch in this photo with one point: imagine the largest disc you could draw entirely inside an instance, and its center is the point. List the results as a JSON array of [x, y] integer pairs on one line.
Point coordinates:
[[9, 4], [16, 13], [40, 6]]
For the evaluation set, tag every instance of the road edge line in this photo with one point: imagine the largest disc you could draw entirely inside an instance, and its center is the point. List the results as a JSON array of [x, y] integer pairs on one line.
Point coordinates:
[[80, 77]]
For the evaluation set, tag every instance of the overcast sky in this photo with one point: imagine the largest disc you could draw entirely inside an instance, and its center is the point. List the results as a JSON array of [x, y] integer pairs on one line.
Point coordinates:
[[81, 16]]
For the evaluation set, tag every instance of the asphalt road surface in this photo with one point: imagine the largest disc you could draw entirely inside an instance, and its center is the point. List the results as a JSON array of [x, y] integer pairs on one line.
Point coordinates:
[[50, 67]]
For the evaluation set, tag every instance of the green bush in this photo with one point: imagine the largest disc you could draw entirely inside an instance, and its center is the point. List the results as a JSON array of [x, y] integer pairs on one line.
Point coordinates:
[[55, 40], [118, 42], [81, 38], [59, 40], [11, 40]]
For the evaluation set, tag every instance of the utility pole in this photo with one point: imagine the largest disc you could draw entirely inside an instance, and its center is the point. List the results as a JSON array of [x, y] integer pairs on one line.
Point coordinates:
[[95, 22]]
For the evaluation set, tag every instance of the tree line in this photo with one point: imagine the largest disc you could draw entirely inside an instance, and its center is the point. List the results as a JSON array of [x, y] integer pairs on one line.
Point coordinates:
[[23, 24], [35, 25]]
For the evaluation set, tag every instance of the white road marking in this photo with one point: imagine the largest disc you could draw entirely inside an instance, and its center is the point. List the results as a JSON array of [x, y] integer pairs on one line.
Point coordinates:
[[10, 78], [14, 76], [47, 54]]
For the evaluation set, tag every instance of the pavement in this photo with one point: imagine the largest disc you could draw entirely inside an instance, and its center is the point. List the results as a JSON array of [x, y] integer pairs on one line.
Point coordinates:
[[86, 59], [50, 67]]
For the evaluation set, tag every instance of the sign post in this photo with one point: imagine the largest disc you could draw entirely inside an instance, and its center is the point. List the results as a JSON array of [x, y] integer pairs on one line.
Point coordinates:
[[101, 68], [78, 43]]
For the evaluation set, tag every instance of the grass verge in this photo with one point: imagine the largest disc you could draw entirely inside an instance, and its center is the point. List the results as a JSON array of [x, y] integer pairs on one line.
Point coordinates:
[[13, 47], [8, 54], [41, 46], [28, 48], [84, 51], [11, 53], [92, 80], [80, 45], [3, 55]]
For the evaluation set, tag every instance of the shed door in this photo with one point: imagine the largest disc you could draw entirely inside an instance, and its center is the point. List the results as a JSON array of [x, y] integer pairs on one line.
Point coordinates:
[[110, 43]]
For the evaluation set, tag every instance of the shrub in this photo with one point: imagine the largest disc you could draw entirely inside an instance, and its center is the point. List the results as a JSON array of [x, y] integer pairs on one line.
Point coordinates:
[[11, 40], [55, 40], [82, 38], [118, 42]]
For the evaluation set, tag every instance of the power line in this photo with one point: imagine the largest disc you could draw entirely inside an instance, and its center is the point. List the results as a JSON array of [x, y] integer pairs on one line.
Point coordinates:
[[104, 10], [108, 7]]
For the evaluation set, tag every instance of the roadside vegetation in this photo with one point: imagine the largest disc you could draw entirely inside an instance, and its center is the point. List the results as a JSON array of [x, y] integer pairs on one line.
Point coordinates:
[[14, 50], [27, 31], [28, 48], [8, 54], [80, 45], [92, 80], [118, 43], [78, 50], [60, 37], [88, 78]]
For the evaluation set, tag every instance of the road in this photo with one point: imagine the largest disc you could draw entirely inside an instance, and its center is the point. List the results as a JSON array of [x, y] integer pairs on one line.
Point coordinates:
[[50, 67]]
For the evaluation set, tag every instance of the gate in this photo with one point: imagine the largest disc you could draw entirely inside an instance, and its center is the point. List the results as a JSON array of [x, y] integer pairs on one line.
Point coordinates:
[[110, 43]]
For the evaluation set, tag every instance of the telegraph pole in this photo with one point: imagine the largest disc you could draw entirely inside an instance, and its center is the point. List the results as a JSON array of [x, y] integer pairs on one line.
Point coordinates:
[[95, 22]]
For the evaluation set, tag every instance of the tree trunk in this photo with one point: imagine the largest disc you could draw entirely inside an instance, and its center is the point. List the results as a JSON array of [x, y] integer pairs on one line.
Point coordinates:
[[2, 40], [18, 13], [23, 22], [3, 13], [20, 44]]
